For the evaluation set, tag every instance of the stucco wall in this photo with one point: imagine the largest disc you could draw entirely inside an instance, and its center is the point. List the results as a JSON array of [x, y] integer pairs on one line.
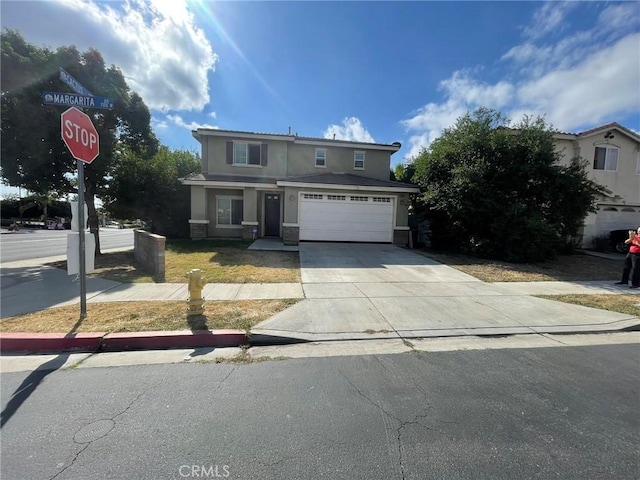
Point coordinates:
[[198, 203], [302, 161]]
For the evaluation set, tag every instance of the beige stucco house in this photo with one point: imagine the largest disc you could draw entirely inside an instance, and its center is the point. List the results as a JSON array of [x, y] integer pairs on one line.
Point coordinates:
[[613, 155], [297, 188]]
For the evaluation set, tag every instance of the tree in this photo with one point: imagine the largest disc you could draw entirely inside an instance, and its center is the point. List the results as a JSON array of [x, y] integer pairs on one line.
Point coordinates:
[[151, 190], [499, 192], [33, 153]]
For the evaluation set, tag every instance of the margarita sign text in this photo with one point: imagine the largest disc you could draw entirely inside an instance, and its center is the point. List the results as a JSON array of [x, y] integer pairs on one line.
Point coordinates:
[[76, 100]]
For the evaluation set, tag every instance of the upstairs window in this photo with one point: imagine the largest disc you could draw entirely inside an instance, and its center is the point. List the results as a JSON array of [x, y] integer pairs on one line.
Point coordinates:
[[246, 153], [358, 160], [606, 158], [321, 157]]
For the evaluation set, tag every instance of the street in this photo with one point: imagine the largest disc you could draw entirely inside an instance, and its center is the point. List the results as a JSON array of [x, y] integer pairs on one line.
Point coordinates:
[[30, 244], [564, 412]]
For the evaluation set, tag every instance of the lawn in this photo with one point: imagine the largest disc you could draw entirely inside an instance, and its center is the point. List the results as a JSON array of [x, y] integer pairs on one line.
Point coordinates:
[[223, 261], [628, 304], [117, 317], [576, 267]]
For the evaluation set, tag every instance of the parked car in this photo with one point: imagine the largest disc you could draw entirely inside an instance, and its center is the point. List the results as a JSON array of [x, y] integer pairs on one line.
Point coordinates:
[[617, 238]]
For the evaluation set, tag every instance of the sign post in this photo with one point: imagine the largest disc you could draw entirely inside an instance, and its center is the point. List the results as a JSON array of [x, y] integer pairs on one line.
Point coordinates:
[[81, 138]]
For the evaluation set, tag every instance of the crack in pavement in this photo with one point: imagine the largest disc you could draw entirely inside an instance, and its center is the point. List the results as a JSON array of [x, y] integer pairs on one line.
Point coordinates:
[[87, 444], [401, 424]]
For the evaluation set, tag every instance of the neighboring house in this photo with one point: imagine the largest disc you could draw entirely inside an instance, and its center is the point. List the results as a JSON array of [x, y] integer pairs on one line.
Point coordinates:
[[296, 188], [613, 155]]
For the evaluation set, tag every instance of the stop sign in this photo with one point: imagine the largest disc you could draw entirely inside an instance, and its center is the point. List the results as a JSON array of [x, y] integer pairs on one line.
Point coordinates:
[[79, 134]]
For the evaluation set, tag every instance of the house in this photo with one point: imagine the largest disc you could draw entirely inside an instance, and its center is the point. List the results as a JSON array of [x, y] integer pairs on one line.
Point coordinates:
[[297, 188], [613, 155]]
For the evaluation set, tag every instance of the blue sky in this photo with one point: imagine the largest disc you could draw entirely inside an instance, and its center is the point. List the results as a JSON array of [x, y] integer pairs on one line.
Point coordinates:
[[368, 71]]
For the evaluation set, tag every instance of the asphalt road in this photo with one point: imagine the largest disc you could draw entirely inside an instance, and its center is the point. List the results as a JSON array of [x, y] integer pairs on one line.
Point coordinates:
[[30, 244], [567, 412]]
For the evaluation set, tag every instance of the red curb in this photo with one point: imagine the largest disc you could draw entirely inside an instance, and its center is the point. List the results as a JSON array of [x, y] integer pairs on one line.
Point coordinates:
[[50, 342], [177, 339]]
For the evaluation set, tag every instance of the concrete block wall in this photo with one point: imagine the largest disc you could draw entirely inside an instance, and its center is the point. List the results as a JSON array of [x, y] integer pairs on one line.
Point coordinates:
[[148, 250]]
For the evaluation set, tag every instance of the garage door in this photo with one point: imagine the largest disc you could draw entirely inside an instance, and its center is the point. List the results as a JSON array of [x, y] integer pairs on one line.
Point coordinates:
[[351, 218]]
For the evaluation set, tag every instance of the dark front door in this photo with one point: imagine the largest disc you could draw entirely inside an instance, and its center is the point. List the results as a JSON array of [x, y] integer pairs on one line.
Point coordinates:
[[272, 215]]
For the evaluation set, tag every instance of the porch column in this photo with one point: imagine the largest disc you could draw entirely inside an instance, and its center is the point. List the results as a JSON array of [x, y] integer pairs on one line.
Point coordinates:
[[198, 223], [250, 225]]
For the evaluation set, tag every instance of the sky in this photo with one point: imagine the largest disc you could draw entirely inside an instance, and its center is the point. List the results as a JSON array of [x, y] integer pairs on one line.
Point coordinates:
[[366, 71]]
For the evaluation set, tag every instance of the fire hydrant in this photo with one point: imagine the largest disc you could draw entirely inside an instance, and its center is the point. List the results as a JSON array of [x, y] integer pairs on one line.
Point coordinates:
[[195, 304]]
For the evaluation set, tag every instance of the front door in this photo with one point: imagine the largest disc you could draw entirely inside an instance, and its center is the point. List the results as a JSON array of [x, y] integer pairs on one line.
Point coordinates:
[[272, 215]]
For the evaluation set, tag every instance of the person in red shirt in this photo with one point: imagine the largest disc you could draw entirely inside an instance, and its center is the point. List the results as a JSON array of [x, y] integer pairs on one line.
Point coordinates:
[[632, 260]]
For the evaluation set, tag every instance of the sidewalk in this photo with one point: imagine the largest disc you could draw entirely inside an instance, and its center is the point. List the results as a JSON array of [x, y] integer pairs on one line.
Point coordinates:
[[453, 304]]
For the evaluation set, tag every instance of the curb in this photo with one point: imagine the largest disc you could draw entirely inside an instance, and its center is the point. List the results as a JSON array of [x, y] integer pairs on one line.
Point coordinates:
[[116, 342], [48, 342]]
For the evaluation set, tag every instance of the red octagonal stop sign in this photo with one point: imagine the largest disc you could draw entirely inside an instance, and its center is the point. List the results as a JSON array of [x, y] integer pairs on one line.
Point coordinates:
[[79, 134]]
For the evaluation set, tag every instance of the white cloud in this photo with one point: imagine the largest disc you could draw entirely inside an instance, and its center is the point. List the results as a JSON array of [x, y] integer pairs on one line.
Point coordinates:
[[179, 122], [351, 129], [586, 78], [163, 54], [549, 18], [213, 115]]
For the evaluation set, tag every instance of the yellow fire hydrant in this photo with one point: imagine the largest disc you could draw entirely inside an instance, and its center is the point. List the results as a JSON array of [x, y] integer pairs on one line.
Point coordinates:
[[195, 304]]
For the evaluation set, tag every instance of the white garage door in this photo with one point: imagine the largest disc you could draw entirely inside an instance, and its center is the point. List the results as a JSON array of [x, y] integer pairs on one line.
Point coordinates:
[[351, 218]]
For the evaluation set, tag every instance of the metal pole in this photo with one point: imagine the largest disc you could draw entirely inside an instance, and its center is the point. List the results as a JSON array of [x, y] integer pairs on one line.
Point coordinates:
[[83, 274]]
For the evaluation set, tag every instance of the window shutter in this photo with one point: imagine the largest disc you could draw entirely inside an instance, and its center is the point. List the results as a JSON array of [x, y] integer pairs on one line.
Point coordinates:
[[229, 153], [263, 155]]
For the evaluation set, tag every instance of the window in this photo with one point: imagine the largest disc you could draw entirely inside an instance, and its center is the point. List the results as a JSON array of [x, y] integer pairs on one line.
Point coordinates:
[[359, 199], [336, 197], [246, 153], [311, 196], [229, 211], [321, 157], [606, 158], [358, 160], [382, 199]]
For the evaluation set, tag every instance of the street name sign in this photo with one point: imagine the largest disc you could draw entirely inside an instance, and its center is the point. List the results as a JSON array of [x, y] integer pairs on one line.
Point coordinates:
[[79, 135], [77, 100], [75, 85]]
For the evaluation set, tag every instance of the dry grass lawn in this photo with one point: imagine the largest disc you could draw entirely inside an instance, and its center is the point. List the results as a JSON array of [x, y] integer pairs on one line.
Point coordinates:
[[576, 267], [628, 304], [146, 316], [223, 261]]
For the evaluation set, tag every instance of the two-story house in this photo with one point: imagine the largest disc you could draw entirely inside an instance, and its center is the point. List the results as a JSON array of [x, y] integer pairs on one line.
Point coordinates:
[[613, 156], [297, 188]]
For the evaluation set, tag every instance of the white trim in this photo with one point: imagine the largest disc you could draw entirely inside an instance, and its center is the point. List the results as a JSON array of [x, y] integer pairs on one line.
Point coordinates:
[[234, 185], [401, 228], [367, 146], [204, 222], [370, 188], [251, 224], [290, 225]]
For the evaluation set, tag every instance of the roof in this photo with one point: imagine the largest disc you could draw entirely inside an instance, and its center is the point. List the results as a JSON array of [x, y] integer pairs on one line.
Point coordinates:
[[608, 126], [395, 146], [327, 180], [346, 179]]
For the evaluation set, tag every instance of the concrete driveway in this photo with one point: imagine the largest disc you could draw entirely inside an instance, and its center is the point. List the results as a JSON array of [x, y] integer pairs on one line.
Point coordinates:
[[383, 291]]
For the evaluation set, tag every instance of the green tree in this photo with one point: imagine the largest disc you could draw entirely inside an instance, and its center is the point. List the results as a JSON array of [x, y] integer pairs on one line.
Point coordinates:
[[151, 190], [499, 192], [33, 153]]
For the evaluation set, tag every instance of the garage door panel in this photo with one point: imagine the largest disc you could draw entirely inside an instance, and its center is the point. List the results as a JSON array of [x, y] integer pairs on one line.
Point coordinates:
[[346, 220]]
